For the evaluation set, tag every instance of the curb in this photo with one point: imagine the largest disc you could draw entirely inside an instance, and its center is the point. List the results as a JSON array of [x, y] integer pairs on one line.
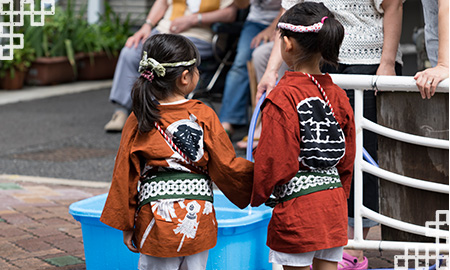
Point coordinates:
[[53, 181], [40, 92]]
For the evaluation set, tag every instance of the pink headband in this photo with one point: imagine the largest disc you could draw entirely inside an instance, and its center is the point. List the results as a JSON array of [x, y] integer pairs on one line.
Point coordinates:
[[303, 29], [148, 75]]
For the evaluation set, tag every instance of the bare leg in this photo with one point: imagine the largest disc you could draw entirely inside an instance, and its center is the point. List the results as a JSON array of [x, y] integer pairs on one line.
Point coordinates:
[[354, 252], [285, 267], [319, 264]]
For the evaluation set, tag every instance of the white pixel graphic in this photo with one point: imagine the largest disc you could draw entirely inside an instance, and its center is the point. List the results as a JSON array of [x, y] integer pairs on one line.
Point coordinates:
[[422, 260], [11, 41]]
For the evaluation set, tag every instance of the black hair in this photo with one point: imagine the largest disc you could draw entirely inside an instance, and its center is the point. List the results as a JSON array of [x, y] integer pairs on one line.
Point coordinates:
[[164, 48], [326, 42]]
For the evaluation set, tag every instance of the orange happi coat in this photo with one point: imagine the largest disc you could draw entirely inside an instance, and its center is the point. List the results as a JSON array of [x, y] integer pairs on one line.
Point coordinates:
[[177, 227]]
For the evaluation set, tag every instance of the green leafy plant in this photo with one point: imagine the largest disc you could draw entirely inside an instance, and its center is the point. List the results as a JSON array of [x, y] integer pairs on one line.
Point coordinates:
[[113, 32], [58, 34], [21, 61]]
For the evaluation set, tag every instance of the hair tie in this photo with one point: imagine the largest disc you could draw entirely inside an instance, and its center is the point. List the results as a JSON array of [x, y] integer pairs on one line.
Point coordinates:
[[159, 68], [148, 75], [323, 19]]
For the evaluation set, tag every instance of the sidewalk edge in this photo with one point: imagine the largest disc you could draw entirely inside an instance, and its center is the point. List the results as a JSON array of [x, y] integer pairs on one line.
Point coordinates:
[[53, 181]]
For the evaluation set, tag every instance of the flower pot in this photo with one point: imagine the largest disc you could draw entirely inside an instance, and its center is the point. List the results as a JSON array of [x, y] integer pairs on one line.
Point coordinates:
[[14, 83], [50, 70], [96, 66]]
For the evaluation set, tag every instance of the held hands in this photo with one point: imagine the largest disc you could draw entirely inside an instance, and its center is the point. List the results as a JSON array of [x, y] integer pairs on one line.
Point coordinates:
[[428, 80], [141, 35], [128, 241]]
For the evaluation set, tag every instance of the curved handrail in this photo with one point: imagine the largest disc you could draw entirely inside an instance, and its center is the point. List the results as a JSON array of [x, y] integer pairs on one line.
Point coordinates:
[[405, 180], [404, 137]]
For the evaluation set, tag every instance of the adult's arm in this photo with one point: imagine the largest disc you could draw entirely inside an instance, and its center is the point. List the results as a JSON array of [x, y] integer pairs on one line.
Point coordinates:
[[392, 29], [267, 34], [241, 4], [225, 15], [440, 72], [268, 80], [154, 16]]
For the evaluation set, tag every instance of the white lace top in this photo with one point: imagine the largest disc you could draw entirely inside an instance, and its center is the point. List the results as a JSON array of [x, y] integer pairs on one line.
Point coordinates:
[[363, 23]]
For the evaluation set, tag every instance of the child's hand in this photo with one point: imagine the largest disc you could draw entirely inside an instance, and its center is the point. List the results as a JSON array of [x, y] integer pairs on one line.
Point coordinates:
[[128, 241]]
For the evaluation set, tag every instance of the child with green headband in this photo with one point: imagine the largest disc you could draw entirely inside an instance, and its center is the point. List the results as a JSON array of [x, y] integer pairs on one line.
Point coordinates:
[[171, 151]]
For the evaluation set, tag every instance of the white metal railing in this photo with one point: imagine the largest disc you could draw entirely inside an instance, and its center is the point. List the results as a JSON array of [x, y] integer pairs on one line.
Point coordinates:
[[388, 83]]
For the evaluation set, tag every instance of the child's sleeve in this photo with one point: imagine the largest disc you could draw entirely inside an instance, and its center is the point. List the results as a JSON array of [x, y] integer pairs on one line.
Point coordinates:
[[345, 165], [276, 157], [232, 175], [121, 204]]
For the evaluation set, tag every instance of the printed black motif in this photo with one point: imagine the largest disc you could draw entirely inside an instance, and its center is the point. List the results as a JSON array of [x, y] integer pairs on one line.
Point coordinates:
[[187, 139], [322, 140]]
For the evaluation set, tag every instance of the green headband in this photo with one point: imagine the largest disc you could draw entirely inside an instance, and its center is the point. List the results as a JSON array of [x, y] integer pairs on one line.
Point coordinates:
[[159, 68]]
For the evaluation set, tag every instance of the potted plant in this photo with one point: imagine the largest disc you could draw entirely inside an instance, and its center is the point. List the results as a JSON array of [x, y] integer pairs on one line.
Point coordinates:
[[102, 44], [12, 72], [53, 43]]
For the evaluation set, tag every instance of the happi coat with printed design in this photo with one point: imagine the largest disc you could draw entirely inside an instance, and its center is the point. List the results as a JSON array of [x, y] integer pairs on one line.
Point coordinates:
[[299, 133], [175, 227]]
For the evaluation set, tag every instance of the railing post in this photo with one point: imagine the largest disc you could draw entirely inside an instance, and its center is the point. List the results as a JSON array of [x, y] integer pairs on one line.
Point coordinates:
[[358, 184]]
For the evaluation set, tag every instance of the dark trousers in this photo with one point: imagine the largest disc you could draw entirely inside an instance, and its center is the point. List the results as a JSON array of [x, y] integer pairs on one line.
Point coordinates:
[[370, 143]]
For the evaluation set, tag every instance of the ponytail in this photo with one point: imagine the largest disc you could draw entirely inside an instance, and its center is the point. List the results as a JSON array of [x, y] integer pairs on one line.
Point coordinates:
[[145, 105], [330, 39], [168, 56], [315, 29]]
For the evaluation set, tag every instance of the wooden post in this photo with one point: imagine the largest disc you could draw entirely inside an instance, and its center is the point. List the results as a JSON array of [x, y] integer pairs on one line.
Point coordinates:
[[408, 112]]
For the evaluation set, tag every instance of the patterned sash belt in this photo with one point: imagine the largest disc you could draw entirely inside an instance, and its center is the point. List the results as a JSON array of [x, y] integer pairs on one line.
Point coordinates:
[[305, 182], [175, 185]]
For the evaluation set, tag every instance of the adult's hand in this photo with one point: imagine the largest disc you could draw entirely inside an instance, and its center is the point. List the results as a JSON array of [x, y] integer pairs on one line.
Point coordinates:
[[128, 241], [264, 36], [141, 35], [266, 84], [183, 23], [386, 69], [428, 80]]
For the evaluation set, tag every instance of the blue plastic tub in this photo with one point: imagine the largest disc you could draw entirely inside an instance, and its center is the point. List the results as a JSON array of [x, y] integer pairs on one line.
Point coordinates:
[[241, 242]]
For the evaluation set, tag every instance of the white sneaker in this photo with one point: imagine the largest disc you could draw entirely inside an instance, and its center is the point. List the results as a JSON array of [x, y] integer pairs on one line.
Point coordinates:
[[117, 122]]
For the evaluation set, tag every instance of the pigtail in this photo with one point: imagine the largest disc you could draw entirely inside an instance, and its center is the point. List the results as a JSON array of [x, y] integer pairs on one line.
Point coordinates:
[[330, 37]]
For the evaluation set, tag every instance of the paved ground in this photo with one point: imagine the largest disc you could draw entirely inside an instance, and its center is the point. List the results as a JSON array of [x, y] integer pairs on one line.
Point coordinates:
[[51, 136], [37, 232]]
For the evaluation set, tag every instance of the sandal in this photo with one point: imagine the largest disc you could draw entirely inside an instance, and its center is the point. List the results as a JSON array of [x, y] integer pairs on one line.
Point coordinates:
[[351, 263], [228, 129], [242, 144]]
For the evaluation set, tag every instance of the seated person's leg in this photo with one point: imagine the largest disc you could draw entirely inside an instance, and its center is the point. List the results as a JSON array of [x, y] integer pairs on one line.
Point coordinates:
[[124, 78], [236, 96]]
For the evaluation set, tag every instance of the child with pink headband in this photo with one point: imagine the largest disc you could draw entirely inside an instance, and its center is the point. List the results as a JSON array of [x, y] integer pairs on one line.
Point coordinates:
[[304, 160]]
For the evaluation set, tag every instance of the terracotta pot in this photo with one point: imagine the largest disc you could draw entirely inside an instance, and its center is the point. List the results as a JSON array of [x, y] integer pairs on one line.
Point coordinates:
[[96, 66], [15, 83], [50, 70]]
